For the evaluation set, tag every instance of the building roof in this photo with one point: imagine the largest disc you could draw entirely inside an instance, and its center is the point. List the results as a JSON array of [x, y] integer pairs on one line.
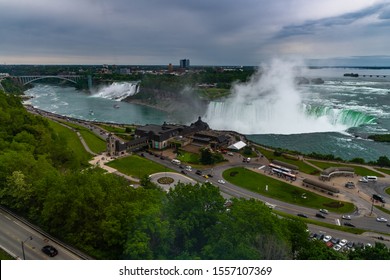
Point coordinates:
[[237, 146]]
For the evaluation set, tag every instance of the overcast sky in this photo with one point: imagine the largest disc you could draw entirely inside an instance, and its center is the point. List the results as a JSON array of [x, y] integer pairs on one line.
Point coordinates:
[[208, 32]]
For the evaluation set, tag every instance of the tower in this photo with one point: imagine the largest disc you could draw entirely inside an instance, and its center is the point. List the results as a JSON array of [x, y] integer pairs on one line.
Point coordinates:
[[185, 63]]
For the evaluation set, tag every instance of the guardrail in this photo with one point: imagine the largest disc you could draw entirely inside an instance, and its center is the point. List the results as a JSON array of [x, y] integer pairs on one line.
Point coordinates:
[[76, 252]]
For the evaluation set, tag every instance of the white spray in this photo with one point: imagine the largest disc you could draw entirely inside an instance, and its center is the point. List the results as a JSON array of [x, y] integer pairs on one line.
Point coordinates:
[[118, 90], [268, 103]]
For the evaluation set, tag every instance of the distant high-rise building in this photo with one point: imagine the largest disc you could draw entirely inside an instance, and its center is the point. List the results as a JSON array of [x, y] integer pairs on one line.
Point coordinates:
[[185, 63], [170, 68]]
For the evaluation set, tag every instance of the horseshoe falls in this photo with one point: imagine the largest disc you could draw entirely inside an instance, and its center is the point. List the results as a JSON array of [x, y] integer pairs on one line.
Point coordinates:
[[330, 118]]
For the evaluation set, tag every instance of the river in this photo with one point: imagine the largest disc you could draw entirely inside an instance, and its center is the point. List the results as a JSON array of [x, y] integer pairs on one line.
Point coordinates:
[[330, 118]]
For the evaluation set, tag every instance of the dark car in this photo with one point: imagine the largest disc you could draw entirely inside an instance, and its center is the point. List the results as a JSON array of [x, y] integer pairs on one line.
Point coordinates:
[[378, 198], [183, 172], [348, 224], [50, 250], [302, 215], [198, 172], [319, 215]]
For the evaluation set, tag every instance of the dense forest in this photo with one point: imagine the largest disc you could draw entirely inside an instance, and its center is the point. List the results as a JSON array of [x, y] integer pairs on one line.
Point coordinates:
[[42, 180]]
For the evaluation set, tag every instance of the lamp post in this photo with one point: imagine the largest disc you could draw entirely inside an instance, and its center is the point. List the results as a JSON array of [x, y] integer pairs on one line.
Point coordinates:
[[28, 238]]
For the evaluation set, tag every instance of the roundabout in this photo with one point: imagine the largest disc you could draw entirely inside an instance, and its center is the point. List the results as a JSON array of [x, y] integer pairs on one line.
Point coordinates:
[[167, 180]]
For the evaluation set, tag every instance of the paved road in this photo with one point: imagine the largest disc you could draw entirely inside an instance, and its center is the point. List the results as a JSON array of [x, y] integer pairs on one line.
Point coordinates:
[[14, 232]]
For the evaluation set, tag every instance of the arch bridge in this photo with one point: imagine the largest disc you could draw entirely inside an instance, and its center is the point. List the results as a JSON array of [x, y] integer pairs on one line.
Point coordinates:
[[30, 79]]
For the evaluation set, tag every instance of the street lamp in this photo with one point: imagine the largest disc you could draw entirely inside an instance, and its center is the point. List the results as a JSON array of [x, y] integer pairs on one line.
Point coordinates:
[[28, 238]]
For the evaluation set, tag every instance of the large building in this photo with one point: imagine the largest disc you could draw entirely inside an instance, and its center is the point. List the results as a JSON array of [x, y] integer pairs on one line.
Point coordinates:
[[160, 137], [185, 63]]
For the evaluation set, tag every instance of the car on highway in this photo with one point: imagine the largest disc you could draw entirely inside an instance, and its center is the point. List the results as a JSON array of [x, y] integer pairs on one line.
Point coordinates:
[[198, 172], [381, 220], [221, 181], [50, 250], [324, 211], [378, 198], [302, 215], [348, 224], [319, 215], [346, 217]]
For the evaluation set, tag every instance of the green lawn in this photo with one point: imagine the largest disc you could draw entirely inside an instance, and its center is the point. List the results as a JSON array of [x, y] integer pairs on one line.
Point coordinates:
[[359, 170], [387, 190], [72, 139], [303, 167], [189, 157], [94, 142], [137, 166], [384, 170], [112, 128], [282, 191]]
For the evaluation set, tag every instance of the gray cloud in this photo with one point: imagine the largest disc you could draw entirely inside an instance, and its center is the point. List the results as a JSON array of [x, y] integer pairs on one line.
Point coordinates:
[[161, 32]]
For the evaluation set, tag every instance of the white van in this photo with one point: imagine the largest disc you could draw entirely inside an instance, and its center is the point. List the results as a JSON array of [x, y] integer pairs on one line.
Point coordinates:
[[372, 178], [367, 179], [176, 161]]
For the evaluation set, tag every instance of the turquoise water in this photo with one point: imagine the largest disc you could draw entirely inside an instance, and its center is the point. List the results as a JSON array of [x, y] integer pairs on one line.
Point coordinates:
[[330, 118]]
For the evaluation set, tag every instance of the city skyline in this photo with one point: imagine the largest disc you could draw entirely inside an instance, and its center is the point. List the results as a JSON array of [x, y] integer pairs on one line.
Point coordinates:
[[326, 33]]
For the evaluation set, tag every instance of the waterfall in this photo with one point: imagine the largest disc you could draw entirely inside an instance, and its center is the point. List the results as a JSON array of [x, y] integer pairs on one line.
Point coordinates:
[[118, 90], [347, 117], [271, 103]]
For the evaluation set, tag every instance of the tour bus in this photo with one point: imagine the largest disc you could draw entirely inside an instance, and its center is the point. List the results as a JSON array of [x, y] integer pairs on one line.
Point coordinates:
[[176, 161]]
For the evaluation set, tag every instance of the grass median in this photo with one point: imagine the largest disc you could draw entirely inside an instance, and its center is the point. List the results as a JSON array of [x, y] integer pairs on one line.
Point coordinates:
[[283, 191]]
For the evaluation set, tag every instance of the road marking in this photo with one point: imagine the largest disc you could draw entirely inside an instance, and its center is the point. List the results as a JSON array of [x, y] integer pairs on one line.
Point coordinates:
[[337, 222]]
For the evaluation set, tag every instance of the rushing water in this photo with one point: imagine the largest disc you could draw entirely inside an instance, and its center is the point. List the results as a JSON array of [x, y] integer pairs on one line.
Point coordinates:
[[330, 118]]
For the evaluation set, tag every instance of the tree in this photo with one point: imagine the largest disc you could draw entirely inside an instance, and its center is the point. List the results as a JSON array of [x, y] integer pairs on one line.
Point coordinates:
[[316, 250], [248, 230], [192, 210], [377, 252], [206, 157], [383, 161]]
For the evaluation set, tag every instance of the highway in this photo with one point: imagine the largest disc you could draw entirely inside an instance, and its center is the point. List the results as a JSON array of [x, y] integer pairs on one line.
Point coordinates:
[[18, 236]]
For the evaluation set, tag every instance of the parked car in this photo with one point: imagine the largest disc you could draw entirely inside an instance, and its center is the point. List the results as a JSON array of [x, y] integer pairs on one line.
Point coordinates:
[[319, 215], [337, 247], [343, 242], [350, 185], [346, 217], [335, 240], [327, 238], [50, 250]]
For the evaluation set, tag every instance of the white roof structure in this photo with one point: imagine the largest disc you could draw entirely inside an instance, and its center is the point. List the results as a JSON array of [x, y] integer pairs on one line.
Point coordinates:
[[237, 146]]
